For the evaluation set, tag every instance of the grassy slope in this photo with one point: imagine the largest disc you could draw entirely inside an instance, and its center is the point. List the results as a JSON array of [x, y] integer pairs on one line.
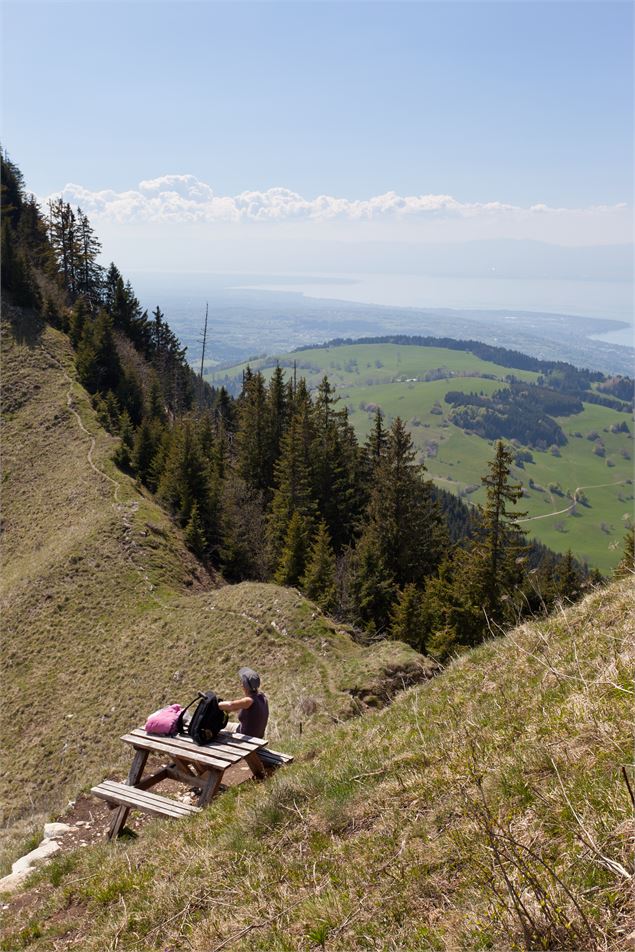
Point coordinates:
[[459, 460], [399, 830], [106, 616]]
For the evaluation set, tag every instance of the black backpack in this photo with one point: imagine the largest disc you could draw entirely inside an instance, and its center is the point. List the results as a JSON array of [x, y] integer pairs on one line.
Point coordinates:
[[207, 720]]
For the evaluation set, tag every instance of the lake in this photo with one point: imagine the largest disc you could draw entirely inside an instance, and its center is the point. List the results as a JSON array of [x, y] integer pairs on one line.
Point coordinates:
[[600, 299]]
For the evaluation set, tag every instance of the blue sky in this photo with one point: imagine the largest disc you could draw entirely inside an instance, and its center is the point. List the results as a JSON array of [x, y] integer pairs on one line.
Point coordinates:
[[511, 103]]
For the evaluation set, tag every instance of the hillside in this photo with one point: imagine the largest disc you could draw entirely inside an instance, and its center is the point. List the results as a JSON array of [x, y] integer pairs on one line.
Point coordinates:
[[485, 809], [106, 615], [412, 382]]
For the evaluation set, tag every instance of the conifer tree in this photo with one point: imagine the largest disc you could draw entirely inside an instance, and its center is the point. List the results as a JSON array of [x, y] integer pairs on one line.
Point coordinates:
[[32, 237], [318, 581], [64, 239], [52, 314], [243, 550], [123, 453], [17, 274], [451, 620], [125, 311], [377, 440], [195, 533], [131, 395], [224, 410], [160, 458], [406, 620], [292, 560], [568, 580], [98, 366], [293, 491], [300, 397], [11, 189], [498, 553], [254, 461], [79, 316], [184, 480], [278, 411], [402, 514], [373, 587], [335, 465], [89, 275], [146, 441], [156, 403], [112, 410], [206, 433]]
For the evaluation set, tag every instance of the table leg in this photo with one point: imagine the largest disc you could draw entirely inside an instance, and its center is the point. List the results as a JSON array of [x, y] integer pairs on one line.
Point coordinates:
[[210, 786], [121, 814], [255, 764]]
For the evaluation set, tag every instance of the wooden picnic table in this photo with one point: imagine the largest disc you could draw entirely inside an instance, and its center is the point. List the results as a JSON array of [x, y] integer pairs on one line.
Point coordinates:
[[199, 766]]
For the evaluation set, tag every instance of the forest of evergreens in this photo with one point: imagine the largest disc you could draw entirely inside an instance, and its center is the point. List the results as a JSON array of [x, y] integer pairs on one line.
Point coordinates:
[[273, 484]]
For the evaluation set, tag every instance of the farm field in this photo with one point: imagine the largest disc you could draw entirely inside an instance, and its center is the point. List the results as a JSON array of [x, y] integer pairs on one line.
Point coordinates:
[[393, 377]]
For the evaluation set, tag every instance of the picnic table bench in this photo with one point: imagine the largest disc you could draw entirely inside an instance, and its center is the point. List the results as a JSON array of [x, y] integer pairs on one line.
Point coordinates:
[[199, 766]]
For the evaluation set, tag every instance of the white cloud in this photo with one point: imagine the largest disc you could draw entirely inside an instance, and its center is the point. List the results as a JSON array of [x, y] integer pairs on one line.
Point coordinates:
[[185, 198]]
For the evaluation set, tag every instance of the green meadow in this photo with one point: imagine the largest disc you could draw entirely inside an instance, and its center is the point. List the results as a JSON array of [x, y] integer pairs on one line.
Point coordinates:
[[393, 377]]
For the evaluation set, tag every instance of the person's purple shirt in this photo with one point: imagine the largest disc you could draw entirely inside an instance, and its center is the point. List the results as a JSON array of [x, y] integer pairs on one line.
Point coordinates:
[[253, 720]]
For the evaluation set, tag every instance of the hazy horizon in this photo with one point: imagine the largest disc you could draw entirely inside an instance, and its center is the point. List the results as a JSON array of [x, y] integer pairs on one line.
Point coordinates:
[[469, 156], [454, 140]]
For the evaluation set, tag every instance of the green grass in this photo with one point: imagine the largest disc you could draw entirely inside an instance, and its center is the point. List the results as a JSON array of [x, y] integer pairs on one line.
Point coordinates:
[[409, 828], [456, 460], [357, 364], [106, 615], [23, 836]]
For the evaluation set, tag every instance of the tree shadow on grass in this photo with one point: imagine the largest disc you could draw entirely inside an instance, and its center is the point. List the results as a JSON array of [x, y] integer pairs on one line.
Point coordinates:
[[26, 326]]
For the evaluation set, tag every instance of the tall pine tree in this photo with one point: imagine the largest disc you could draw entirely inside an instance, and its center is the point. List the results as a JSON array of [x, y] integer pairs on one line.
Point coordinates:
[[373, 587], [498, 553], [318, 581], [406, 620], [292, 560], [254, 456], [293, 493], [402, 514]]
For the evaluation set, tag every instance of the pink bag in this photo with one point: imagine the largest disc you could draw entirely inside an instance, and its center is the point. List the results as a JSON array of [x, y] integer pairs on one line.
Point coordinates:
[[164, 721]]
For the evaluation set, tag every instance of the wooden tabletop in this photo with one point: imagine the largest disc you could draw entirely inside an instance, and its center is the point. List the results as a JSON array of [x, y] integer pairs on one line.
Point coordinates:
[[228, 748]]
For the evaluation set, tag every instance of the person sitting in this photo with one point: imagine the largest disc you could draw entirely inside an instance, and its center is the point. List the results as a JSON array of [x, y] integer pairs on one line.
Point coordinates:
[[252, 708]]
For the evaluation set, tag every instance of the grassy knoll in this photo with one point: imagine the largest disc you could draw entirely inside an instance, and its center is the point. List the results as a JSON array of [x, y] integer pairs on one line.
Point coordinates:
[[106, 615], [391, 377], [484, 810], [371, 364]]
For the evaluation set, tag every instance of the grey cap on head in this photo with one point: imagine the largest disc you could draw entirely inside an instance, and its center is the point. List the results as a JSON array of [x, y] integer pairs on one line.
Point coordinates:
[[250, 679]]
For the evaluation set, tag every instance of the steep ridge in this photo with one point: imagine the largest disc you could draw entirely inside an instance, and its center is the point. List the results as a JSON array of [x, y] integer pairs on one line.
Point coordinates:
[[485, 809], [106, 615]]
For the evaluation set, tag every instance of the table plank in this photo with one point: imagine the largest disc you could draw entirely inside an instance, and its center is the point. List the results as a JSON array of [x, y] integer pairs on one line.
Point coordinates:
[[186, 745], [274, 757], [159, 745], [134, 798], [232, 751], [233, 738], [138, 795], [229, 745], [244, 738]]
